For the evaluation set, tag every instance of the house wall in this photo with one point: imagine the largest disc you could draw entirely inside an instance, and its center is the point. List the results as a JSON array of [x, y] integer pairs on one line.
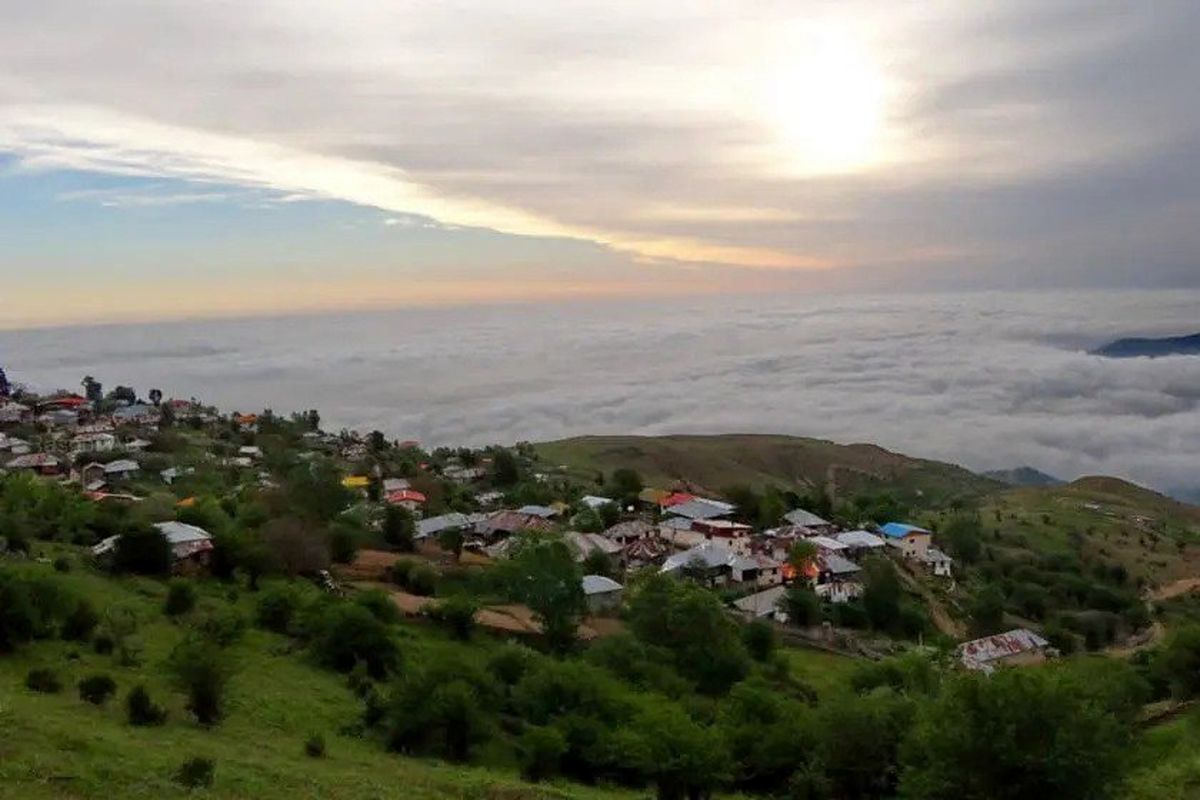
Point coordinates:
[[604, 602]]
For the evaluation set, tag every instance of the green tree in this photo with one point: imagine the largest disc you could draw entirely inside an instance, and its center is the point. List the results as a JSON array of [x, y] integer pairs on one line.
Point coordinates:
[[1014, 734], [802, 605], [881, 593], [1178, 663], [452, 540], [202, 671], [142, 550], [987, 611], [626, 483], [682, 759], [505, 469], [399, 528], [446, 705], [963, 536], [759, 638], [543, 575]]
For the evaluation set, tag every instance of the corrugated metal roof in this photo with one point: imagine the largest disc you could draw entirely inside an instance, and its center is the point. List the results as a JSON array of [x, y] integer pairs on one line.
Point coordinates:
[[898, 530], [598, 584], [804, 518]]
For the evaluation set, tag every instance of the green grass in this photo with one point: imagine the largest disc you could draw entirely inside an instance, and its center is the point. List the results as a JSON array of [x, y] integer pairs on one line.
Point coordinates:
[[1166, 762], [58, 746], [792, 462], [825, 672]]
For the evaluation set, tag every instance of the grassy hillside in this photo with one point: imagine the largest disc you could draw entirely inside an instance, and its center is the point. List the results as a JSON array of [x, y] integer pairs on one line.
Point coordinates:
[[789, 462], [57, 746], [1105, 520]]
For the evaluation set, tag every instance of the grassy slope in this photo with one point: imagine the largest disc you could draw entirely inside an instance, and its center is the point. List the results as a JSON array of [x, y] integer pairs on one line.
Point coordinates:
[[57, 746], [713, 462], [1153, 536], [1167, 762]]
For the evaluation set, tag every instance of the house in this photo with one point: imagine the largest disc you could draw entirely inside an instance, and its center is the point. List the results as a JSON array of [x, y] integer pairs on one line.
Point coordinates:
[[14, 446], [910, 540], [59, 418], [938, 562], [507, 523], [191, 547], [172, 474], [644, 551], [93, 443], [40, 463], [137, 445], [653, 497], [92, 474], [120, 469], [585, 544], [733, 535], [594, 501], [406, 498], [603, 594], [763, 605], [770, 571], [859, 543], [12, 413], [625, 532], [487, 499], [828, 544], [356, 482], [545, 512], [806, 519], [250, 451], [712, 564], [461, 474], [837, 578], [136, 414], [701, 508], [432, 526], [245, 422], [1017, 647], [70, 402], [394, 484]]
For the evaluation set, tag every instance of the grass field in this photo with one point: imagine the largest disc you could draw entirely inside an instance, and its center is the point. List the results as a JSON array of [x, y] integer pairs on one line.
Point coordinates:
[[790, 462], [58, 746], [1167, 762]]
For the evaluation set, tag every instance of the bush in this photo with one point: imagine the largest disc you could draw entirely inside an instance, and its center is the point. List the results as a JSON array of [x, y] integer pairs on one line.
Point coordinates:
[[422, 580], [510, 662], [196, 773], [202, 671], [315, 746], [18, 615], [277, 608], [143, 551], [759, 638], [81, 622], [540, 750], [43, 680], [103, 645], [379, 604], [62, 564], [343, 543], [96, 689], [346, 634], [401, 570], [224, 627], [141, 710], [456, 615], [445, 707], [181, 598]]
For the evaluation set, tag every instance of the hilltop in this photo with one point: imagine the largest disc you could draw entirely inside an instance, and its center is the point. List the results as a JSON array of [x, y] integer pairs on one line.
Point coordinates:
[[1023, 476], [1151, 348], [760, 460]]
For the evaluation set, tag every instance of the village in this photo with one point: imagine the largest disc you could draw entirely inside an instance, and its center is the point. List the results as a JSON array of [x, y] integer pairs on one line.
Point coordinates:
[[111, 449]]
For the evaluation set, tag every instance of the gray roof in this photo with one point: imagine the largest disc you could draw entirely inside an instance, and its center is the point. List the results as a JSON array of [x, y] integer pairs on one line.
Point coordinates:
[[934, 556], [121, 465], [804, 518], [544, 512], [761, 604], [181, 532], [838, 565], [860, 539], [598, 584], [594, 501], [434, 525], [584, 544], [701, 509], [711, 556]]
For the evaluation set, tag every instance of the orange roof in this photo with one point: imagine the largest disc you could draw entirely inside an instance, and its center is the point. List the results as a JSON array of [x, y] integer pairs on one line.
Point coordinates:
[[676, 498], [186, 502], [405, 495]]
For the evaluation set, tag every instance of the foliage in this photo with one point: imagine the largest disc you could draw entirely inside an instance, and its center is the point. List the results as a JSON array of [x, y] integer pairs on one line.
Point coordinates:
[[456, 614], [196, 773], [399, 528], [540, 751], [81, 622], [881, 593], [277, 607], [451, 540], [1178, 662], [314, 746], [802, 605], [544, 576], [141, 711], [295, 546], [987, 611], [625, 483], [343, 542], [759, 638], [347, 633], [962, 536], [444, 706], [202, 671], [224, 627], [380, 604], [181, 598], [142, 550], [96, 689]]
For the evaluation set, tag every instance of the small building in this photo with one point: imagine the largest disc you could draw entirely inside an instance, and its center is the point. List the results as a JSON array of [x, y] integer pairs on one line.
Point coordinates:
[[489, 499], [432, 526], [712, 564], [587, 544], [354, 482], [250, 451], [410, 499], [595, 502], [837, 578], [394, 485], [121, 469], [700, 508], [39, 463], [137, 445], [625, 532], [545, 512], [859, 543], [603, 594], [93, 443], [91, 474], [800, 518], [1017, 647], [734, 535], [507, 523], [191, 547], [136, 414], [763, 605], [938, 562], [910, 540]]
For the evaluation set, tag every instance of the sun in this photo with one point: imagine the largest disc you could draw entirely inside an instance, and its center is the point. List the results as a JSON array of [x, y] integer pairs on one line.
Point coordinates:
[[825, 106]]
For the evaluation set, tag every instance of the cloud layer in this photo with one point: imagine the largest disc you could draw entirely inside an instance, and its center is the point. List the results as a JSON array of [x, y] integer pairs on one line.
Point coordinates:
[[990, 380]]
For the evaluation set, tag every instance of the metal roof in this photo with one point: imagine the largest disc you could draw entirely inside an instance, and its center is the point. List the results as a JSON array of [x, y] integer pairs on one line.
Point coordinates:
[[804, 518], [598, 584], [860, 539], [898, 530]]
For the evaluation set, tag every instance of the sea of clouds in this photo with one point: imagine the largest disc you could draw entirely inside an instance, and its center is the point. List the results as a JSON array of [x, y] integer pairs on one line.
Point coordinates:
[[989, 380]]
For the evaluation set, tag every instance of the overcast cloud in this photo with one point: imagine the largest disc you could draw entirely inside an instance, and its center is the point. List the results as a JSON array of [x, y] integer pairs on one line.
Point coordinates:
[[989, 380], [1020, 142]]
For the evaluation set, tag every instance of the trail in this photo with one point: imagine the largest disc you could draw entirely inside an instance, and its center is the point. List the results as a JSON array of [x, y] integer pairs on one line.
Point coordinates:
[[941, 618], [1157, 630]]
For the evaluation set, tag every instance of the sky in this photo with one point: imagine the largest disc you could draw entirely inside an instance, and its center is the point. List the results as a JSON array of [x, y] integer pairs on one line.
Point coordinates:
[[179, 159]]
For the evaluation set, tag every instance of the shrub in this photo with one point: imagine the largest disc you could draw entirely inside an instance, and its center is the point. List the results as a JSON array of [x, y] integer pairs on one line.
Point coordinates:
[[96, 689], [144, 551], [43, 680], [347, 633], [315, 746], [277, 608], [343, 543], [181, 598], [62, 564], [18, 614], [510, 662], [540, 750], [401, 570], [379, 604], [103, 645], [445, 707], [202, 671], [141, 710], [759, 638], [224, 627], [422, 580], [81, 622], [196, 773], [456, 615]]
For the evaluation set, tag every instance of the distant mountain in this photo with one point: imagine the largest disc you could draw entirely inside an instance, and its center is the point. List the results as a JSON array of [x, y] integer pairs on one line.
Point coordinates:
[[1023, 476], [1151, 348]]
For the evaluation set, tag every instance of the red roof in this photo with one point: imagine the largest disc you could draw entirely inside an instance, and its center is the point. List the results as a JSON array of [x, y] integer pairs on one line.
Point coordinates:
[[67, 400], [676, 498], [405, 496]]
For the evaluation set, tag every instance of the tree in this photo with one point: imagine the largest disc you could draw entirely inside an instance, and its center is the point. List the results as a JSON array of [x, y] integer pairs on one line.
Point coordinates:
[[399, 528], [5, 386], [599, 562], [802, 605], [142, 550], [881, 593], [682, 759], [295, 546], [156, 396], [801, 554], [181, 598], [1014, 734], [315, 491], [543, 575], [987, 611], [505, 469], [445, 706], [348, 634], [123, 394], [202, 671], [451, 540], [626, 483], [1178, 663], [746, 501], [92, 390], [963, 537], [759, 638], [376, 442], [343, 541]]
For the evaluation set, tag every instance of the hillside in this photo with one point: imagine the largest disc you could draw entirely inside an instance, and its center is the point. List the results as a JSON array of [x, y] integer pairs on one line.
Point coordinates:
[[789, 462], [1151, 348], [1023, 476]]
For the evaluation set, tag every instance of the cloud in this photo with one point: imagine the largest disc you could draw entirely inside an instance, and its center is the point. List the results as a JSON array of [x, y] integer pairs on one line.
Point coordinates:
[[1031, 142], [989, 380]]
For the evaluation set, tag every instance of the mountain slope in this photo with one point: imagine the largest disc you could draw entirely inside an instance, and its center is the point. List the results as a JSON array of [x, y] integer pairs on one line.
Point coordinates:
[[1152, 348], [714, 462], [1023, 476]]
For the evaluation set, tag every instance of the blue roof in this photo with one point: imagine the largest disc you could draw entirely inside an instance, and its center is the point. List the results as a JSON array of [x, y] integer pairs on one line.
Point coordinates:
[[898, 530]]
